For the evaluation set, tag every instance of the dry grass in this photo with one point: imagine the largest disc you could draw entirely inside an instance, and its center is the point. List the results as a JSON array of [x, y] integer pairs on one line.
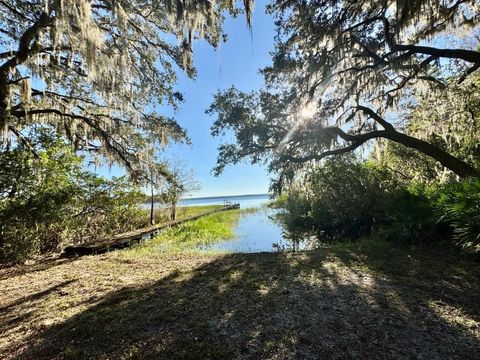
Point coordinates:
[[365, 300]]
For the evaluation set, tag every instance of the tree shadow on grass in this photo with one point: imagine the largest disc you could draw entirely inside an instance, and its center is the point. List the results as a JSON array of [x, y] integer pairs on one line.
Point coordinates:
[[33, 297], [10, 271], [439, 274], [308, 306], [18, 313]]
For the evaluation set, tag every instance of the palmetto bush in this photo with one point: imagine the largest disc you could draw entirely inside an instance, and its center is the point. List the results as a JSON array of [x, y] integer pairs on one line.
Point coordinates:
[[458, 205]]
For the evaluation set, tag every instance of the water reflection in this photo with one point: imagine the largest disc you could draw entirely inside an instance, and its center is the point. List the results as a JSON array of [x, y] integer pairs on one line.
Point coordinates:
[[261, 230]]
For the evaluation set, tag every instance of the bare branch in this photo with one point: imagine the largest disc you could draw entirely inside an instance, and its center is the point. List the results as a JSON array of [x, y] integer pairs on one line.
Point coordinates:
[[24, 141]]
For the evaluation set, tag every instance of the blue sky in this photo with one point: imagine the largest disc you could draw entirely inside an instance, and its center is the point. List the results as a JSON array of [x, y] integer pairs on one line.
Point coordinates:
[[236, 62]]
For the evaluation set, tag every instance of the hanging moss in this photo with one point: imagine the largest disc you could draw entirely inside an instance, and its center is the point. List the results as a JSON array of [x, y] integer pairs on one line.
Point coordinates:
[[104, 66]]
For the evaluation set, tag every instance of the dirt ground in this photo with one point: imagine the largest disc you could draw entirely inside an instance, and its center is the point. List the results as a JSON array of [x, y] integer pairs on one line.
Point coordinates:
[[349, 301]]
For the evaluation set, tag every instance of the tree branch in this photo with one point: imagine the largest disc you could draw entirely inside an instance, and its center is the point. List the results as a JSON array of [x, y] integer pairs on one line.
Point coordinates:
[[24, 141], [24, 45], [409, 77], [117, 147], [386, 125], [467, 55], [357, 141], [468, 72]]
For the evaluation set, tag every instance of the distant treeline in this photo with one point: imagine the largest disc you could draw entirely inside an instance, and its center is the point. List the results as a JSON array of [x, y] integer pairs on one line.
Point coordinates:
[[158, 197]]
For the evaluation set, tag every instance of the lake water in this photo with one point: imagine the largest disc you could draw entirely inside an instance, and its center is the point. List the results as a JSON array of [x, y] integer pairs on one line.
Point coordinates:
[[245, 201], [257, 231]]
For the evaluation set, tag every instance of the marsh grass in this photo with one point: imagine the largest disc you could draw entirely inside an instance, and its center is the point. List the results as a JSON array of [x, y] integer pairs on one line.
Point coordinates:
[[161, 214], [187, 211], [191, 236]]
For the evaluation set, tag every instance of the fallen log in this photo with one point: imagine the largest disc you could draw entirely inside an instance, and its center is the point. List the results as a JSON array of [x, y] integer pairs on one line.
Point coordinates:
[[123, 240]]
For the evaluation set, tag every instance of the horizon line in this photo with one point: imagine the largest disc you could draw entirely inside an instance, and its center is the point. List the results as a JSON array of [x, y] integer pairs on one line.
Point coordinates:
[[223, 196]]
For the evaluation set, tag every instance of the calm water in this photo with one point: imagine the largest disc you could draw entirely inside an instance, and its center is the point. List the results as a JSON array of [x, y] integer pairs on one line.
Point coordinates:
[[245, 201], [256, 231]]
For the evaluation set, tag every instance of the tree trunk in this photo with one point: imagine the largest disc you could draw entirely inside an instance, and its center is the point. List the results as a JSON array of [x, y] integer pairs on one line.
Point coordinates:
[[152, 202], [173, 215], [456, 165]]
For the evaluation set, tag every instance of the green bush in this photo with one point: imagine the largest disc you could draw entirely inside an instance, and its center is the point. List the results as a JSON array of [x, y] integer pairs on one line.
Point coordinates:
[[408, 216], [458, 205], [49, 200], [347, 199], [298, 210], [342, 199]]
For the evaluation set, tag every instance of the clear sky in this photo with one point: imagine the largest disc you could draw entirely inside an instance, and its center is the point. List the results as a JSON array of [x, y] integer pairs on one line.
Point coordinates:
[[236, 62]]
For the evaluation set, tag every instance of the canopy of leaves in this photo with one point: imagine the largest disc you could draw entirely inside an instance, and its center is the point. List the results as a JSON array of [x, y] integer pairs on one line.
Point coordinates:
[[99, 70], [366, 51], [343, 73]]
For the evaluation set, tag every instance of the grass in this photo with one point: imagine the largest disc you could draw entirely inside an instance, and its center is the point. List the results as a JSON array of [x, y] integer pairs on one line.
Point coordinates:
[[189, 236], [368, 299], [162, 214], [186, 211]]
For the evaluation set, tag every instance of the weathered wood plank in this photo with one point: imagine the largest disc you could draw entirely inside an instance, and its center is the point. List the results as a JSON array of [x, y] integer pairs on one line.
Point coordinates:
[[127, 239]]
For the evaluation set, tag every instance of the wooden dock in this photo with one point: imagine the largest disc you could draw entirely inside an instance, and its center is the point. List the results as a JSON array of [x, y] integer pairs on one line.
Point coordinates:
[[127, 239]]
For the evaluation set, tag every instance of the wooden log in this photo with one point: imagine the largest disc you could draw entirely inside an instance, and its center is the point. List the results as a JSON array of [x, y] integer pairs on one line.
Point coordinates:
[[127, 239]]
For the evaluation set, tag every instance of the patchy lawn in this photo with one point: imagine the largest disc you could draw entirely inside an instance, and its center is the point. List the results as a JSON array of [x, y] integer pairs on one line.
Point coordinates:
[[363, 300]]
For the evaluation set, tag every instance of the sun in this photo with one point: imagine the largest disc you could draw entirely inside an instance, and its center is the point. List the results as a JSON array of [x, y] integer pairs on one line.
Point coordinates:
[[307, 110]]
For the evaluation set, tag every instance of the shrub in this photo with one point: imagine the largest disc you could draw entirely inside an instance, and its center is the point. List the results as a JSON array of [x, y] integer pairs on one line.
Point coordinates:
[[458, 205], [408, 216], [342, 199], [347, 199], [50, 201]]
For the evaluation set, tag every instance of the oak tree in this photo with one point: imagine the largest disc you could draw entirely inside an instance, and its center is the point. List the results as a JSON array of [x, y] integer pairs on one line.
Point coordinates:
[[343, 73], [101, 71]]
